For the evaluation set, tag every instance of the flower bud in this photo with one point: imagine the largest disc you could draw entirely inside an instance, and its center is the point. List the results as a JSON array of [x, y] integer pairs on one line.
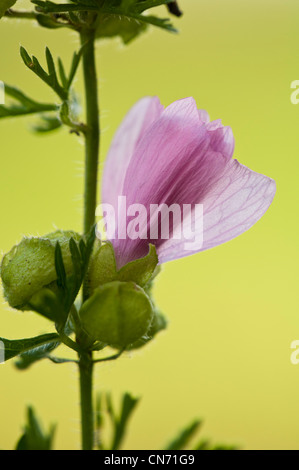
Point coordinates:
[[118, 313], [30, 266]]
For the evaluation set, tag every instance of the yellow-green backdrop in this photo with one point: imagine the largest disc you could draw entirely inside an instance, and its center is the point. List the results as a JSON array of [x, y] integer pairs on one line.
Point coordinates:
[[233, 310]]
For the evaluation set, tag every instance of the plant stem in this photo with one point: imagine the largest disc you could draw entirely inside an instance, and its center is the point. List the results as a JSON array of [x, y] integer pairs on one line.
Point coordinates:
[[92, 142], [86, 369], [92, 136]]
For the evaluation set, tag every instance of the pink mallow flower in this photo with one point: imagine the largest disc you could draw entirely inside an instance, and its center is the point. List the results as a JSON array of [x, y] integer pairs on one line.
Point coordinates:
[[177, 156]]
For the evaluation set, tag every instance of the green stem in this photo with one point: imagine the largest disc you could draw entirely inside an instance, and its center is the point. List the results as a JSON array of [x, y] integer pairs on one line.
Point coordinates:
[[92, 142], [86, 369], [92, 135]]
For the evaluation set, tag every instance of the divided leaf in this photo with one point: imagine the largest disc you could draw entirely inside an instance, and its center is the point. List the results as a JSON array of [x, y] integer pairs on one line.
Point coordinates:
[[124, 18]]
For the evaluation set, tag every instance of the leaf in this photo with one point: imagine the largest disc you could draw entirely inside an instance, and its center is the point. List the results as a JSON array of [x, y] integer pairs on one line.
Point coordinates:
[[51, 69], [34, 438], [26, 105], [69, 285], [124, 18], [5, 5], [49, 22], [47, 124], [120, 424], [59, 266], [62, 73], [181, 441], [30, 357], [99, 420], [49, 78], [111, 26], [74, 66], [13, 348]]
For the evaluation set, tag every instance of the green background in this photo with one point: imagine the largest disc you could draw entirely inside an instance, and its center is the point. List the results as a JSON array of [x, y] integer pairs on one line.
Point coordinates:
[[232, 310]]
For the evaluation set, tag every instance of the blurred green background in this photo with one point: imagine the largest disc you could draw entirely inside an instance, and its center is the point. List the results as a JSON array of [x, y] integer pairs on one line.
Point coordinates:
[[233, 310]]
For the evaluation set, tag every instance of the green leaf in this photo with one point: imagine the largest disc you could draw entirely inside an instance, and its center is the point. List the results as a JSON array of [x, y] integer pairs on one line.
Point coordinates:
[[74, 66], [123, 18], [129, 403], [183, 438], [62, 73], [5, 5], [49, 78], [205, 444], [34, 438], [49, 22], [30, 357], [26, 105], [47, 124], [114, 25], [13, 348], [59, 266]]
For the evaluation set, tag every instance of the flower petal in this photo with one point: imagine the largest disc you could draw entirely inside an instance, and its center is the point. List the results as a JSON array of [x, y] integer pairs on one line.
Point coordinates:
[[134, 125], [175, 162], [234, 204]]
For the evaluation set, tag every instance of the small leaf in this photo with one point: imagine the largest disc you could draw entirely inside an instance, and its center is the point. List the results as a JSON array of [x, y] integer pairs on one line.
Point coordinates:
[[49, 78], [181, 441], [74, 66], [51, 68], [62, 73], [48, 22], [34, 438], [26, 57], [13, 348], [120, 425], [59, 266], [26, 106], [47, 124], [30, 357]]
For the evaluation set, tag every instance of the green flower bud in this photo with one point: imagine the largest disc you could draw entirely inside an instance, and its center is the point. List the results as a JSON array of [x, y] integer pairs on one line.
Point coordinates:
[[30, 266], [118, 313]]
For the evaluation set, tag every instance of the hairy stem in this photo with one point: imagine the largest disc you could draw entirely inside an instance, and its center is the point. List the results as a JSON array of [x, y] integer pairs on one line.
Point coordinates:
[[92, 142], [92, 135], [86, 369]]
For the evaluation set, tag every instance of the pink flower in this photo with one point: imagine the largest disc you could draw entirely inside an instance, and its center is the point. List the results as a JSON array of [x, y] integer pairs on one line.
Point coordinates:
[[177, 156]]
